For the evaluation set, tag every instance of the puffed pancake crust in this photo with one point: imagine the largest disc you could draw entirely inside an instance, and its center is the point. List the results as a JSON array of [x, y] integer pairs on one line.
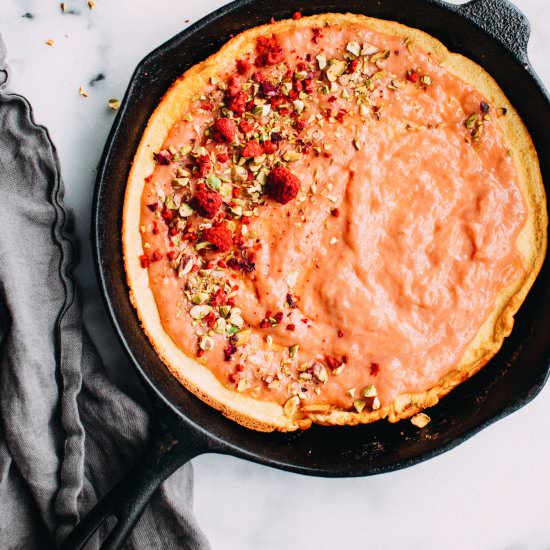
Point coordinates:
[[331, 220]]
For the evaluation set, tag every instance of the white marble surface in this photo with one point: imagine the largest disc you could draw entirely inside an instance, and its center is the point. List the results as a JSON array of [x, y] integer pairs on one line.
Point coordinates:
[[492, 492]]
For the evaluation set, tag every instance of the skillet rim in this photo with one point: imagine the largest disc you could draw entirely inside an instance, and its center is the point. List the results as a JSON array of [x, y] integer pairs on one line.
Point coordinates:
[[212, 442]]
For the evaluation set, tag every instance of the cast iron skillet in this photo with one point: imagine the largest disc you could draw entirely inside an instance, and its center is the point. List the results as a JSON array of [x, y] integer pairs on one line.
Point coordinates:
[[495, 35]]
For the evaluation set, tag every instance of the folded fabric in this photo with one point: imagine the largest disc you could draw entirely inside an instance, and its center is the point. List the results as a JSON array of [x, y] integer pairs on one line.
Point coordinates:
[[67, 434]]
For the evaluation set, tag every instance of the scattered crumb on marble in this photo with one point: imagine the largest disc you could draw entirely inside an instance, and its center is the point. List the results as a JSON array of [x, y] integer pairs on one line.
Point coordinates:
[[114, 103], [50, 42], [28, 15], [83, 92], [96, 79]]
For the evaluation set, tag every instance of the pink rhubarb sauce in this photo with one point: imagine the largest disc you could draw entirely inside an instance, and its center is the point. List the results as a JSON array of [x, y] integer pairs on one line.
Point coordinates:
[[380, 272]]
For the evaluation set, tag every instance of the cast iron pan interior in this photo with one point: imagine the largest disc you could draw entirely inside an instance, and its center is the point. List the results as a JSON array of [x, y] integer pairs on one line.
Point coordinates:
[[509, 381], [491, 32]]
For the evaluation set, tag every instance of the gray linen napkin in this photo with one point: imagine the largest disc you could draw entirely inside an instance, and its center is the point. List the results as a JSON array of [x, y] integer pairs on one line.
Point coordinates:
[[67, 434]]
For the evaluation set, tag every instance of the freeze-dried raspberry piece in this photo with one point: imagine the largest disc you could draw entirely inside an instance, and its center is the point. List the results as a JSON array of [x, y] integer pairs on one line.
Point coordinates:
[[224, 130], [219, 236], [252, 149], [269, 51], [282, 185], [237, 103], [243, 66], [204, 165], [205, 202], [269, 147]]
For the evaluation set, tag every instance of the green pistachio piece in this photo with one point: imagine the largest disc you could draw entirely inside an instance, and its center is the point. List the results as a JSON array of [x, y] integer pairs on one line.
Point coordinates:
[[321, 61], [206, 343], [199, 311], [224, 310], [426, 80], [354, 48], [185, 210], [291, 156], [170, 203], [241, 338], [379, 56], [213, 182], [336, 68], [219, 325], [370, 391], [291, 406]]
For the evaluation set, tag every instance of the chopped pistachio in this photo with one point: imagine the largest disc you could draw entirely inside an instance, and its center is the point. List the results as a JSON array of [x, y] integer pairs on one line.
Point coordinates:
[[359, 405], [170, 202], [235, 318], [320, 372], [354, 48], [426, 80], [239, 173], [199, 298], [202, 245], [241, 338], [224, 310], [420, 420], [357, 144], [261, 110], [185, 266], [335, 69], [206, 343], [220, 325], [471, 120], [291, 406], [394, 85], [368, 49], [321, 61], [213, 182], [476, 134], [180, 182], [291, 156], [370, 391], [199, 311], [293, 350], [185, 210], [339, 369], [379, 56], [298, 105]]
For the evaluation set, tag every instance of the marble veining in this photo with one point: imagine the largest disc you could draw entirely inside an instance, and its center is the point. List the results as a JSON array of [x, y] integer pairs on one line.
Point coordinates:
[[491, 493]]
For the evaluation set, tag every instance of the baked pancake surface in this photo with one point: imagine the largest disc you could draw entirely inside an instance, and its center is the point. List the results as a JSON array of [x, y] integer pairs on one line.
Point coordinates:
[[331, 220]]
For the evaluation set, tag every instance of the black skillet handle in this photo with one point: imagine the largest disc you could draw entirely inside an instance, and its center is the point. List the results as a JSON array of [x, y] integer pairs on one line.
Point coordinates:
[[501, 20], [172, 446]]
